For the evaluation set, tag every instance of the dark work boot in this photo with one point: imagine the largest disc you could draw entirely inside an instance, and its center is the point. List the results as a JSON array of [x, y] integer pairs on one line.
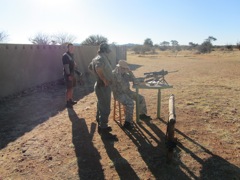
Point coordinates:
[[69, 105], [72, 102], [144, 117], [109, 129], [128, 125], [106, 135]]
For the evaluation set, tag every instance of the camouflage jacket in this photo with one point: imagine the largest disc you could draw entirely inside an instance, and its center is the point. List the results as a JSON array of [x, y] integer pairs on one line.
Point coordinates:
[[101, 60], [121, 83]]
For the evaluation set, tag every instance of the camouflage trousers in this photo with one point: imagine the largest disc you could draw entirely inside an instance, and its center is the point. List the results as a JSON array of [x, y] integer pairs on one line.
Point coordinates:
[[103, 105], [128, 101]]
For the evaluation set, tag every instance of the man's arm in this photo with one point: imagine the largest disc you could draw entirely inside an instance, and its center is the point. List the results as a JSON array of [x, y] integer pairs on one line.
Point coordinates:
[[99, 71], [66, 69], [131, 74]]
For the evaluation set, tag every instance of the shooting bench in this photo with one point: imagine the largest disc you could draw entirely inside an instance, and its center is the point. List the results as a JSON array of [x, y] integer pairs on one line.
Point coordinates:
[[158, 87]]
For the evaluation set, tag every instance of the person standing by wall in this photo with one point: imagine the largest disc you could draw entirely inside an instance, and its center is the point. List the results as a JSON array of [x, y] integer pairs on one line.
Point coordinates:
[[68, 73], [101, 66]]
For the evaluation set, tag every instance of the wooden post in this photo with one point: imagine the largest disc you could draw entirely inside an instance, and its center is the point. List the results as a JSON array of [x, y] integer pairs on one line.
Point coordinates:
[[137, 105], [120, 113], [159, 104], [170, 140]]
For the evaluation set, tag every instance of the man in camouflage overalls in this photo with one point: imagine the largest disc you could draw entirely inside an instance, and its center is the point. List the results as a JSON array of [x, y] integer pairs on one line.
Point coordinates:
[[122, 75], [102, 69]]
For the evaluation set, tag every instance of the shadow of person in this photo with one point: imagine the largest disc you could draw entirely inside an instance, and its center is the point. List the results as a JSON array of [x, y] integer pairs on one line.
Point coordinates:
[[21, 115], [88, 158], [215, 167], [151, 146], [123, 168], [82, 90], [218, 168], [133, 67]]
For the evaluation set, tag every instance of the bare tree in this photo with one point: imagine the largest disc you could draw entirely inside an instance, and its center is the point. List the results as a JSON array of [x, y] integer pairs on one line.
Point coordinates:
[[63, 38], [41, 39], [3, 36], [95, 40]]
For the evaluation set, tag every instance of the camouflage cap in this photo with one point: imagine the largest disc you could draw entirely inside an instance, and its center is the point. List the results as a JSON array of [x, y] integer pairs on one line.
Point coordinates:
[[123, 64]]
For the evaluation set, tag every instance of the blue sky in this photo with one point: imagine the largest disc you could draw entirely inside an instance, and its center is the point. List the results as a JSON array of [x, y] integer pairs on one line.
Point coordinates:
[[125, 21]]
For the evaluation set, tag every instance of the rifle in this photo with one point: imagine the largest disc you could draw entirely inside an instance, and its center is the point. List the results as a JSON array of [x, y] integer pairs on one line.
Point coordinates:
[[157, 77], [158, 73]]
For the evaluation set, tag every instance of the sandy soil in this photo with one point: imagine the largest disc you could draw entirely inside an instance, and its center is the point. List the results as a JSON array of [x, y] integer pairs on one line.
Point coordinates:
[[41, 139]]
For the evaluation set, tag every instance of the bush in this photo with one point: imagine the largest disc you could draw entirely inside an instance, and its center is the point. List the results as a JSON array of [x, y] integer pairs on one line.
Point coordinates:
[[229, 47], [137, 49], [141, 49], [205, 47], [163, 48], [238, 46]]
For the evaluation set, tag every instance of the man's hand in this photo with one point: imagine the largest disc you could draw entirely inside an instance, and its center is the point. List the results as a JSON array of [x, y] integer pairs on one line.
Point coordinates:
[[99, 71], [136, 81], [105, 82]]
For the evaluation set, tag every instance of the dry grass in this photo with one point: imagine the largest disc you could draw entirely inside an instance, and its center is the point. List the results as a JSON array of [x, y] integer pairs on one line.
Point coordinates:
[[42, 140]]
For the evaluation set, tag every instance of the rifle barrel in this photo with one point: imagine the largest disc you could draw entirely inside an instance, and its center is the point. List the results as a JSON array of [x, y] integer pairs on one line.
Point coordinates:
[[162, 72]]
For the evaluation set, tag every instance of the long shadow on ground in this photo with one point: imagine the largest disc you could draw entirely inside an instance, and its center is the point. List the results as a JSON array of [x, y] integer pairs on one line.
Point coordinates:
[[214, 167], [123, 168], [133, 67], [152, 151], [88, 158], [22, 114]]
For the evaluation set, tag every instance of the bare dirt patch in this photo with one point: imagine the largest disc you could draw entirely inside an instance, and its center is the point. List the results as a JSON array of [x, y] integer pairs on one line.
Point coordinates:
[[40, 139]]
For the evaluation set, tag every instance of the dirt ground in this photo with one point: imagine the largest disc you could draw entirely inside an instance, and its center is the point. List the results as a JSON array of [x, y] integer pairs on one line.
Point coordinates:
[[41, 139]]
